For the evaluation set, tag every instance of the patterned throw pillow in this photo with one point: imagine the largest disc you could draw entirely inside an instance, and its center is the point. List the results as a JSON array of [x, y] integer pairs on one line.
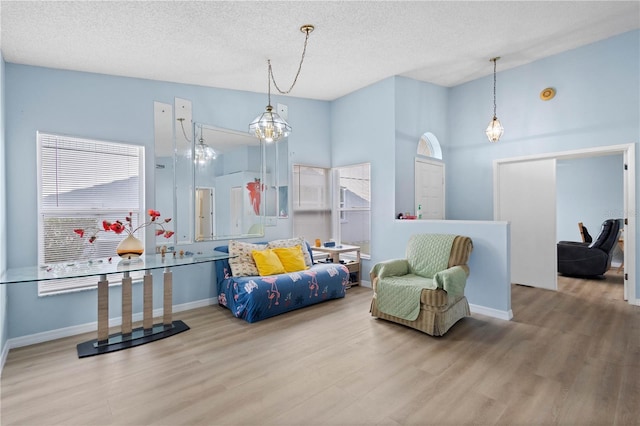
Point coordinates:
[[292, 242], [242, 263]]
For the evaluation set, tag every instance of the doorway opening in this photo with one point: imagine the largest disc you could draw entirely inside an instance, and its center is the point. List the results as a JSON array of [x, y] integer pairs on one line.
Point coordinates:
[[549, 263]]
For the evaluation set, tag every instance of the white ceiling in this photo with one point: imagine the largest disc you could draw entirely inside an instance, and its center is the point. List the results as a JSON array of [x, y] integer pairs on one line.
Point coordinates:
[[356, 43]]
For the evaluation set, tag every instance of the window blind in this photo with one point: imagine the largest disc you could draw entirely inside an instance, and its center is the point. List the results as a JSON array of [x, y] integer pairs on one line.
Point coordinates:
[[81, 183], [311, 202]]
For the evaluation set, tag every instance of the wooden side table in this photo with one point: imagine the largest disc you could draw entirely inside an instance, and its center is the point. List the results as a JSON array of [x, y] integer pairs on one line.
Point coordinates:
[[334, 254]]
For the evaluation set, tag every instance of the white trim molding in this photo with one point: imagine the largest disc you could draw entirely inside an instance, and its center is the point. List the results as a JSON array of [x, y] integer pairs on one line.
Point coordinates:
[[630, 203], [59, 333], [3, 356], [490, 312]]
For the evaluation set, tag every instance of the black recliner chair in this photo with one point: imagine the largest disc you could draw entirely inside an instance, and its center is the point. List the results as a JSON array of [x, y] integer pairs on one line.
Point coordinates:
[[589, 259]]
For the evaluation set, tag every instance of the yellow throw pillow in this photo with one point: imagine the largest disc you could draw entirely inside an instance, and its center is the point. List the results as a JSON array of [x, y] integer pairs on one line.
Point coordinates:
[[267, 262], [292, 258]]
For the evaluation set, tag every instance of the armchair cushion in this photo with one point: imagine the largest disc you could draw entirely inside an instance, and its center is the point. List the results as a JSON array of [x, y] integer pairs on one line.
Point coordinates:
[[429, 253], [400, 296]]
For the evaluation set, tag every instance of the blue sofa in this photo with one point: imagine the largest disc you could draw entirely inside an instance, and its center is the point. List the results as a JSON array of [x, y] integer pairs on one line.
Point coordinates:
[[255, 298]]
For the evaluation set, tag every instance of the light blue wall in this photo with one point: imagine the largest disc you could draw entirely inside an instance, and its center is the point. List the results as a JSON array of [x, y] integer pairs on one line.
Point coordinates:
[[4, 324], [589, 190], [419, 107], [597, 104], [119, 109], [363, 130]]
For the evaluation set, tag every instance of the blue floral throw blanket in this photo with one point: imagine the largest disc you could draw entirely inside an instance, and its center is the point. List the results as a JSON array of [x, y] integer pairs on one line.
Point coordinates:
[[256, 298]]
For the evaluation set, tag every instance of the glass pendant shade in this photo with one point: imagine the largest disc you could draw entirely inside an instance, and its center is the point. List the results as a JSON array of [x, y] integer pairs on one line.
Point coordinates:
[[269, 126], [204, 153], [494, 130]]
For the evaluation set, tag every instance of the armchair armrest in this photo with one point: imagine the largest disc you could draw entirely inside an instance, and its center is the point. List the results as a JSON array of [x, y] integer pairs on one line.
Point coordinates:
[[388, 268], [578, 260], [578, 252], [452, 280]]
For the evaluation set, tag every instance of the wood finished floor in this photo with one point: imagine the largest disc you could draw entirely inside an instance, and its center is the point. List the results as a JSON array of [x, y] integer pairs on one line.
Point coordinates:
[[571, 357]]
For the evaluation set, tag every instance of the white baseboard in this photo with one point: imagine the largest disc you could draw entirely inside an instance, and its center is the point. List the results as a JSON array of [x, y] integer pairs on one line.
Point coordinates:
[[490, 312], [59, 333], [3, 356]]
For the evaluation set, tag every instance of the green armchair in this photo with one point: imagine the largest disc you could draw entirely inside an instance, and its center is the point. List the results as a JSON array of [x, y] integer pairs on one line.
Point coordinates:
[[425, 290]]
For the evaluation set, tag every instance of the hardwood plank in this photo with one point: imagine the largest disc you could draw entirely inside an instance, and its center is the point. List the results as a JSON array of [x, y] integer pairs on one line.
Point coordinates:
[[567, 357]]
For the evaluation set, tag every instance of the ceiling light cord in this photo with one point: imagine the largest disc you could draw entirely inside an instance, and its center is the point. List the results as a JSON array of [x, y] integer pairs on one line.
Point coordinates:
[[181, 120], [307, 29], [269, 126]]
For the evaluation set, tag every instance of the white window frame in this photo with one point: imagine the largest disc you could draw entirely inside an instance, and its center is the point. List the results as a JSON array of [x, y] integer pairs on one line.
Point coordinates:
[[335, 196], [341, 208], [46, 288], [311, 203]]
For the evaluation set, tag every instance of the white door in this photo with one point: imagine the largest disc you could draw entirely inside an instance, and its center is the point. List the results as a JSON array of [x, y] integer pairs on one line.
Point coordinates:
[[429, 179], [526, 197], [236, 211], [205, 202]]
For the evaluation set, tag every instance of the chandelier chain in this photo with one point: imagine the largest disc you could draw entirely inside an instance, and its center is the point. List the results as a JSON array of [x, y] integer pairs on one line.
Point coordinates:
[[181, 120], [494, 86], [295, 79]]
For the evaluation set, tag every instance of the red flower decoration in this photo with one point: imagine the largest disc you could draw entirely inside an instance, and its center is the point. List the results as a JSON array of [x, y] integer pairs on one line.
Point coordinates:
[[118, 227], [153, 214]]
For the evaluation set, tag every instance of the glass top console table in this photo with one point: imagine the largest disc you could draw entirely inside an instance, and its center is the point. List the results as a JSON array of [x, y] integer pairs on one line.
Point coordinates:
[[101, 268]]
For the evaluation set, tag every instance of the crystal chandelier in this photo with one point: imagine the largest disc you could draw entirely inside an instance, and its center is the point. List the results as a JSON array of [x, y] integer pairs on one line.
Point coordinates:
[[269, 126], [203, 152], [494, 130]]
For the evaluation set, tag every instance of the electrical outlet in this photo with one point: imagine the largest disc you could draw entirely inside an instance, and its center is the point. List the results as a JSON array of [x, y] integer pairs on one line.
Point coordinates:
[[282, 110]]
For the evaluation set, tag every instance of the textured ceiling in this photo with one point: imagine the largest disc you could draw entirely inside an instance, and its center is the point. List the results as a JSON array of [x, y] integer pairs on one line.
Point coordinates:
[[227, 44]]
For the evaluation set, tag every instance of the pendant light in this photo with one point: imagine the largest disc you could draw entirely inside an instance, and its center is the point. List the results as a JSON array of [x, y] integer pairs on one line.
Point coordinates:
[[203, 153], [494, 130], [269, 126]]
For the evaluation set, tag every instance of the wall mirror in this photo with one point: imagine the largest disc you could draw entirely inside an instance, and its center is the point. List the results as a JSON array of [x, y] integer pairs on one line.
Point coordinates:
[[228, 178], [238, 184], [216, 184]]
